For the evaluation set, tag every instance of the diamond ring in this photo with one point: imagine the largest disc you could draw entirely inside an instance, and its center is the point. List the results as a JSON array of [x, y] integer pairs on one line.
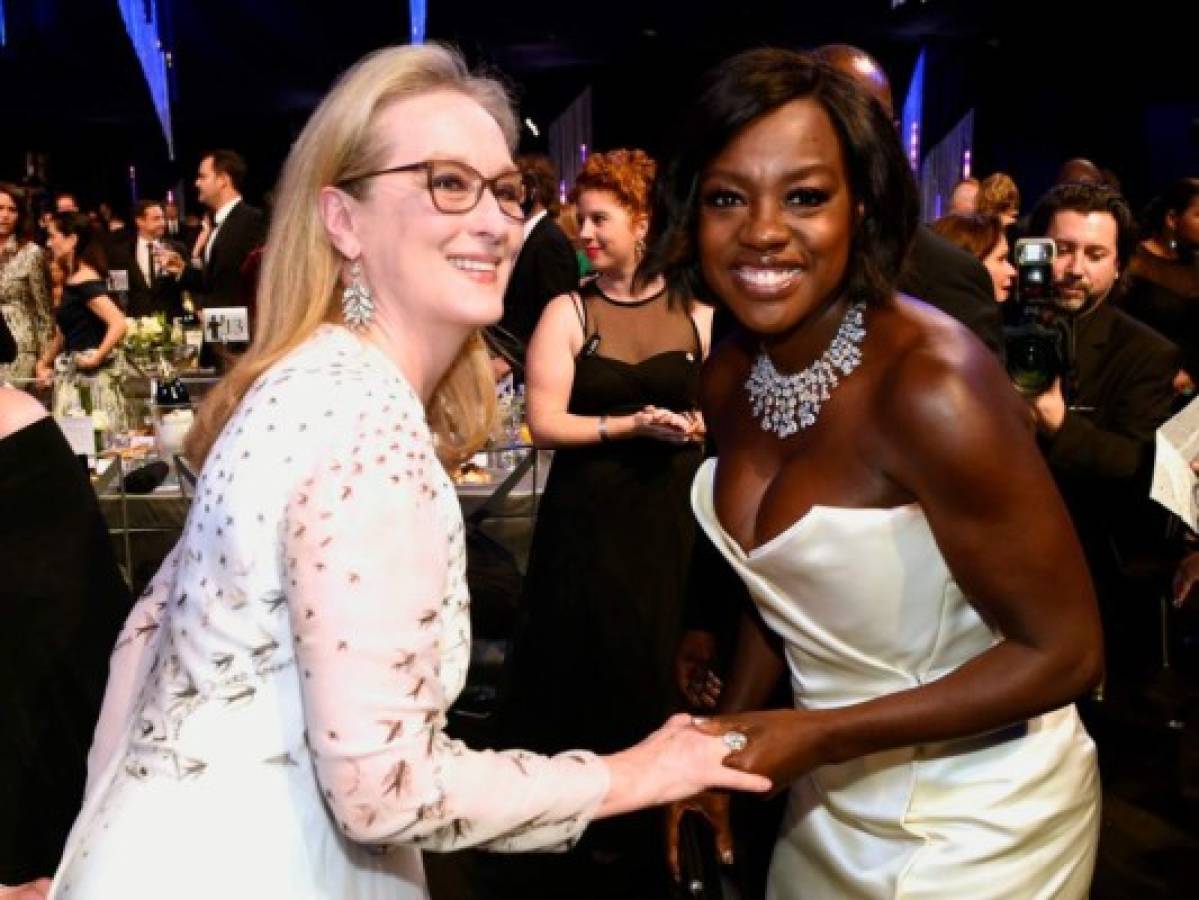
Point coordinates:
[[736, 741]]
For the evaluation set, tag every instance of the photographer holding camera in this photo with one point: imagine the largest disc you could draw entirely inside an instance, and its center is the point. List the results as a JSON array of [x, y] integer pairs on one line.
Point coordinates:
[[1102, 424], [1112, 390]]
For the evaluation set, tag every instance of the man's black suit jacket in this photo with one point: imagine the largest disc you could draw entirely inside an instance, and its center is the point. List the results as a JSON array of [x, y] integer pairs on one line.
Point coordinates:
[[1125, 372], [219, 283], [546, 267], [165, 295], [1102, 456], [949, 278]]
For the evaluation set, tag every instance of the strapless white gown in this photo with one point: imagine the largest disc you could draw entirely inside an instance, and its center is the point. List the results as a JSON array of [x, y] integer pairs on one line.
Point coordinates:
[[866, 606]]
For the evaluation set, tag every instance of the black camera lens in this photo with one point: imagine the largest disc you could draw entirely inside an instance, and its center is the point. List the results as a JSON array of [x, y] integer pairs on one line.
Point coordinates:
[[1032, 362]]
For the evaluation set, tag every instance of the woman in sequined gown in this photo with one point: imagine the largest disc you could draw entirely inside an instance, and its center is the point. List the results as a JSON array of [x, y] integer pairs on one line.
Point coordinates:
[[24, 290], [879, 490], [274, 720]]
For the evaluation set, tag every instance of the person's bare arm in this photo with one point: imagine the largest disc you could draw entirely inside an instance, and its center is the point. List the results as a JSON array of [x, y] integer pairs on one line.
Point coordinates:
[[958, 441], [551, 371]]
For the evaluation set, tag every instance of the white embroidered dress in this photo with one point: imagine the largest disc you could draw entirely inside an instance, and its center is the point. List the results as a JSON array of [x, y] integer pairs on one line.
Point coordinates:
[[273, 722]]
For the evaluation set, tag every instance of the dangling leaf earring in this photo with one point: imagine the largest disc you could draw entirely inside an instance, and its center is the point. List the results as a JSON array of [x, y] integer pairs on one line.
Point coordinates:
[[357, 307]]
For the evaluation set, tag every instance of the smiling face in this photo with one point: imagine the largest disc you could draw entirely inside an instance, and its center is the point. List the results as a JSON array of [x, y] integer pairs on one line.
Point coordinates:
[[608, 231], [448, 268], [776, 219], [152, 224]]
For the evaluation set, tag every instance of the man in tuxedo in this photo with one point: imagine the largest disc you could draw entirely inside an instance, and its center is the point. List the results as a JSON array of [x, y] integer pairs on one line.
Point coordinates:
[[236, 230], [152, 289], [546, 266]]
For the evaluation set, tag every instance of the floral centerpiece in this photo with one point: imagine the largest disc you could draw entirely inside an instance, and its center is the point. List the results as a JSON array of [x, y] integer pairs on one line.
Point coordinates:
[[151, 343]]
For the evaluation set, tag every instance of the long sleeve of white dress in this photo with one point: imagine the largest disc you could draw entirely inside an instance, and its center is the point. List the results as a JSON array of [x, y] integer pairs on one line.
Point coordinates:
[[129, 667], [374, 560]]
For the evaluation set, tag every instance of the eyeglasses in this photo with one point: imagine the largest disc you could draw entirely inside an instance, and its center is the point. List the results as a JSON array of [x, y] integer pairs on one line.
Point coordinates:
[[457, 188]]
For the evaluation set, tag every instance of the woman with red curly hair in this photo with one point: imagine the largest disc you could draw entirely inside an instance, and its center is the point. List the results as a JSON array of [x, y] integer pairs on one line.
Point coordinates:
[[613, 376]]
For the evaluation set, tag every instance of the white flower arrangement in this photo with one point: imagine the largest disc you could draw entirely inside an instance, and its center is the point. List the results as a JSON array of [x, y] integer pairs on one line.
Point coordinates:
[[147, 333]]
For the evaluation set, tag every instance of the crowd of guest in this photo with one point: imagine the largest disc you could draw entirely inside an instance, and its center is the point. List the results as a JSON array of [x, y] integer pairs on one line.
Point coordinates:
[[638, 314]]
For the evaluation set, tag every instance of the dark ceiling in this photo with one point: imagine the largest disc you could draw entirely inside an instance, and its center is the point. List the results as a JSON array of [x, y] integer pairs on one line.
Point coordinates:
[[247, 72]]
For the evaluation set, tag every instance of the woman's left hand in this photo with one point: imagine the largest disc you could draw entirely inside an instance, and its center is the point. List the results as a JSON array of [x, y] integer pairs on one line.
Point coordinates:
[[781, 744]]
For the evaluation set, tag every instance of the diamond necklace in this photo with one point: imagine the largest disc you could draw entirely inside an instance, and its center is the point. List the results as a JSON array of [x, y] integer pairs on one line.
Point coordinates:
[[785, 404]]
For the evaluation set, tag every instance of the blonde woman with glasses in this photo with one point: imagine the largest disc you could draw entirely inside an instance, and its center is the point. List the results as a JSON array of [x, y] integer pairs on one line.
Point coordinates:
[[274, 719]]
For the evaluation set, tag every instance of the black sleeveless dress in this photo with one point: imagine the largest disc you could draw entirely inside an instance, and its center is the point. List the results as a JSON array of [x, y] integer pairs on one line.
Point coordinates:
[[63, 600], [608, 570]]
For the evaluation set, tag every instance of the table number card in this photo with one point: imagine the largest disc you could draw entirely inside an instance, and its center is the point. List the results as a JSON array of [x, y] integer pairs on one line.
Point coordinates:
[[226, 324]]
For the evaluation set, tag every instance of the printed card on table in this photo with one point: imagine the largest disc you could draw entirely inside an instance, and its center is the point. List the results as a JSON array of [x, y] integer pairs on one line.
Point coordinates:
[[225, 324]]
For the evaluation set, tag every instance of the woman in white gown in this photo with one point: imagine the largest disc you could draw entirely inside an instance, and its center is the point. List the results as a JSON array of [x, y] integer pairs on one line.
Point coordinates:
[[273, 725], [887, 507]]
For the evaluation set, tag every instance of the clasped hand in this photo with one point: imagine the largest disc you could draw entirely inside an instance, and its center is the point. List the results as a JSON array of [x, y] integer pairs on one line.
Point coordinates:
[[667, 425], [781, 745]]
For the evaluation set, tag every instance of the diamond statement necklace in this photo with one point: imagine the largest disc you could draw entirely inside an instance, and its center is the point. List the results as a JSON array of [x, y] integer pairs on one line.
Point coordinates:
[[785, 404]]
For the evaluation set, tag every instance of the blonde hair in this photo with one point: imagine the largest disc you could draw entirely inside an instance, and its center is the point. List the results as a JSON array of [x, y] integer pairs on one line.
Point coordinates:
[[997, 194], [298, 287]]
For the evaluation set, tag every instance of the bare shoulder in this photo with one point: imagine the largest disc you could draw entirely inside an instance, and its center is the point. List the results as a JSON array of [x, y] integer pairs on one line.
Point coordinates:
[[561, 312], [17, 410], [939, 381], [724, 370]]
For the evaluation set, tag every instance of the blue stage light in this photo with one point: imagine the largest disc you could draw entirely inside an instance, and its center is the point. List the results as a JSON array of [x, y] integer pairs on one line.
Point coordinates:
[[141, 23], [416, 14]]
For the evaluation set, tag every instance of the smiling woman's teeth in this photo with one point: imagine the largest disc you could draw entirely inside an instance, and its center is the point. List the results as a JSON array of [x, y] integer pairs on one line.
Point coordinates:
[[766, 278], [472, 265]]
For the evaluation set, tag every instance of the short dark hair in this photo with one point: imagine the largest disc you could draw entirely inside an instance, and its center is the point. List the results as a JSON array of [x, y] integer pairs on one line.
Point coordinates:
[[541, 176], [88, 246], [230, 164], [1086, 197], [144, 206], [748, 86]]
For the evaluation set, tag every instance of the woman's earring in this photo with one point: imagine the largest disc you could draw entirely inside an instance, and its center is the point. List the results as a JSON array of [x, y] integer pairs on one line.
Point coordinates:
[[357, 307], [639, 249]]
